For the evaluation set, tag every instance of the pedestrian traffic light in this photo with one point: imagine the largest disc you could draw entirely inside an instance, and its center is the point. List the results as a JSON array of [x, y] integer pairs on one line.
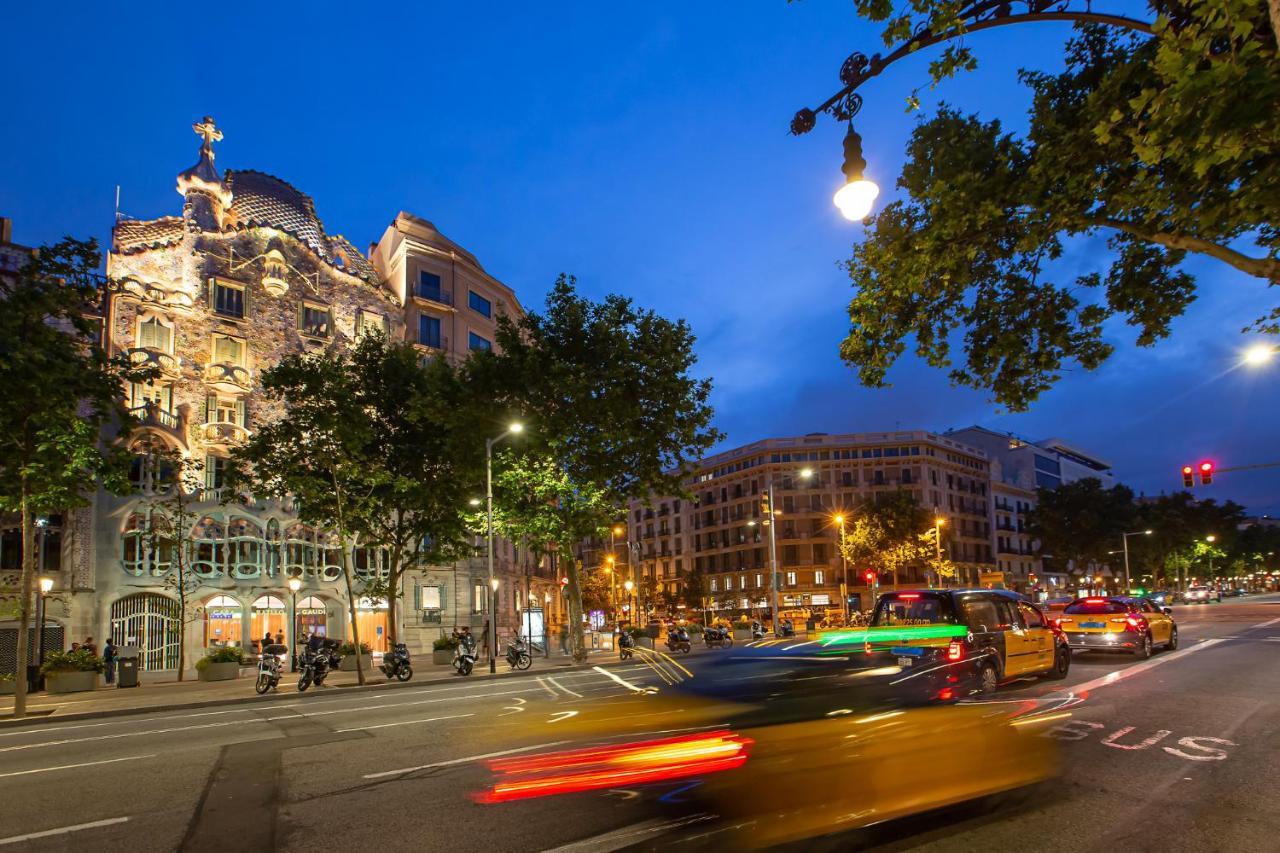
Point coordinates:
[[1188, 476], [1206, 473]]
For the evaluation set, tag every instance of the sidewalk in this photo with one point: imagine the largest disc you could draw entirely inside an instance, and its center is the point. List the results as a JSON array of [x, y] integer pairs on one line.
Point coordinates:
[[153, 695]]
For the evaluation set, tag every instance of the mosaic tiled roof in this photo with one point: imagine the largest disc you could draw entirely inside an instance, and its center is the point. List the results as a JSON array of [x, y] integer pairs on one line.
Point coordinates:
[[355, 262], [132, 235]]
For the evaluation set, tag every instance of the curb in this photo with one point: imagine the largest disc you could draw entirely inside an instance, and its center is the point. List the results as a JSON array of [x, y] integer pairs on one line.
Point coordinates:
[[36, 718]]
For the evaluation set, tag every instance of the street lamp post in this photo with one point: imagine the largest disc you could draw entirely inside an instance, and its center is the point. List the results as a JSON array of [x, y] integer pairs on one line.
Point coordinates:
[[805, 473], [938, 522], [514, 429], [844, 571], [46, 584], [546, 625], [1126, 555], [295, 584], [629, 586]]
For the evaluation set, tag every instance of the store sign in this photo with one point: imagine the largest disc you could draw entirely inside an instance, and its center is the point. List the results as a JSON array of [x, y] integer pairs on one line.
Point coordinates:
[[276, 610], [821, 598], [311, 611], [224, 613]]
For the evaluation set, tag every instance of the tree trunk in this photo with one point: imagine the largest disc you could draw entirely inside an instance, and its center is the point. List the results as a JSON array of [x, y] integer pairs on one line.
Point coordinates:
[[577, 640], [24, 609], [345, 558], [393, 589], [1275, 19]]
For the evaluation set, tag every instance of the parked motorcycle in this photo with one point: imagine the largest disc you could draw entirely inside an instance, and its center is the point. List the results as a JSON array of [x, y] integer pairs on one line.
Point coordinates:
[[626, 646], [314, 667], [518, 656], [757, 630], [786, 629], [718, 637], [678, 641], [395, 663], [464, 659], [269, 668]]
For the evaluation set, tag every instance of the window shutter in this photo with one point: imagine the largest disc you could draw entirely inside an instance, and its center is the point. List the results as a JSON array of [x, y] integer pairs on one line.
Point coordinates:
[[331, 330], [210, 472], [240, 416], [245, 302], [299, 316], [211, 408], [212, 300]]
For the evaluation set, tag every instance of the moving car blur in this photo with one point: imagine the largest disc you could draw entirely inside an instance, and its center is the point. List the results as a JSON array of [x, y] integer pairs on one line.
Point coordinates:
[[1118, 623]]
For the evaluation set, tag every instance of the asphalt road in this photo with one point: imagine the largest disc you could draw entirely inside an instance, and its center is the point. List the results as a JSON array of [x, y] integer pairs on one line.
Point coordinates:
[[1178, 753]]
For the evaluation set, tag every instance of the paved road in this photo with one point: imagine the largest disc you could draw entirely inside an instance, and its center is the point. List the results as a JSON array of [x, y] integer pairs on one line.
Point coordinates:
[[1176, 753]]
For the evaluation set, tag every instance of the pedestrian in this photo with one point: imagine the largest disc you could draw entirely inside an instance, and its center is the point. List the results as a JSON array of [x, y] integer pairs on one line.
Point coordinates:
[[75, 647], [109, 658], [484, 646], [279, 638], [88, 644], [266, 640]]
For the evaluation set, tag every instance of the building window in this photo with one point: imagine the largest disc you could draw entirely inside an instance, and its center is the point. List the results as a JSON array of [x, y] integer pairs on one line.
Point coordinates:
[[368, 321], [429, 331], [228, 350], [478, 603], [818, 578], [152, 334], [479, 304], [759, 581], [227, 298], [142, 393], [429, 287], [220, 411], [476, 342], [728, 584], [215, 472], [715, 585], [791, 578], [314, 320]]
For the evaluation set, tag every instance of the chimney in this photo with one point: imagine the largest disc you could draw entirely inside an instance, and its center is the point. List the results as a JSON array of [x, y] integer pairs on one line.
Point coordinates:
[[6, 230]]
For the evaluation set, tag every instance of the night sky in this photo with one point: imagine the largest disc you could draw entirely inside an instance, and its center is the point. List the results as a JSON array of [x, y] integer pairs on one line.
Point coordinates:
[[642, 147]]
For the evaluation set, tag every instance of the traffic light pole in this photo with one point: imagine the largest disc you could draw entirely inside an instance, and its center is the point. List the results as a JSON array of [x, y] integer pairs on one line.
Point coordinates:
[[773, 558]]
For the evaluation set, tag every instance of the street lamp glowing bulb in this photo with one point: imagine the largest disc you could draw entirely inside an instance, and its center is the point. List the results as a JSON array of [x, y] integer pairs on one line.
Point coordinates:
[[516, 427], [494, 583], [294, 584], [855, 199], [46, 584], [806, 473], [1258, 355]]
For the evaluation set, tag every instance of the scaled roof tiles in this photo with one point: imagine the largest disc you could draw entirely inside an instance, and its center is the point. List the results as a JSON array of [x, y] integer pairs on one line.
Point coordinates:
[[132, 235]]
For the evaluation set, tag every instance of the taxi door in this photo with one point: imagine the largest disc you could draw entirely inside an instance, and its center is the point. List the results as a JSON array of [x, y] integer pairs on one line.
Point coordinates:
[[1039, 632], [1161, 623], [1019, 647]]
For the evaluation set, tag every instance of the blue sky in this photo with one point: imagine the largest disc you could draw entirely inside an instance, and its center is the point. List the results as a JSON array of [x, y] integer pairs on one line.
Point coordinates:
[[642, 147]]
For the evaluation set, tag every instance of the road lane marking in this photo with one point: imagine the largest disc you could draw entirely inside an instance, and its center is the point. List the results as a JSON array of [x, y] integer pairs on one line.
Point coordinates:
[[562, 687], [1121, 674], [627, 835], [547, 687], [73, 766], [453, 761], [62, 830], [627, 684], [559, 716], [402, 723]]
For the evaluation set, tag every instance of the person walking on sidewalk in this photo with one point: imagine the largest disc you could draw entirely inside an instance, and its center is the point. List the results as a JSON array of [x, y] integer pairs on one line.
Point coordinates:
[[109, 658], [88, 644]]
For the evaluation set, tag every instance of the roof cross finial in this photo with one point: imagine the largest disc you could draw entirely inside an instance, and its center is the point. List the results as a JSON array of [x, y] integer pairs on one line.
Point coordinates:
[[209, 132]]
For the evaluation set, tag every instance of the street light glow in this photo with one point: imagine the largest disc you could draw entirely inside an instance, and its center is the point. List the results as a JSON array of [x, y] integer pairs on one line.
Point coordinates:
[[46, 584], [806, 473], [494, 583], [939, 521], [838, 519], [474, 502], [516, 427], [855, 199], [294, 584], [1258, 355]]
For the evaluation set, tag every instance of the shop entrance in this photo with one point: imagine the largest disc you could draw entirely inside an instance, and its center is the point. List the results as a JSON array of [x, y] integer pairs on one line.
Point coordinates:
[[223, 622], [371, 620], [270, 616], [311, 618]]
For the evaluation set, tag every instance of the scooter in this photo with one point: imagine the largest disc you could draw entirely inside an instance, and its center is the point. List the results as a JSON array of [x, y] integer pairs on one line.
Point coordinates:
[[757, 630], [395, 663], [786, 629], [269, 668], [678, 641], [464, 660], [718, 637], [518, 656], [626, 646]]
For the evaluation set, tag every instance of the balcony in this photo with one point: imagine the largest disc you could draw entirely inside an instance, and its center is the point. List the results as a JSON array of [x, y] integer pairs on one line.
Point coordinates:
[[151, 415], [148, 292], [225, 433], [228, 378], [170, 366], [438, 297]]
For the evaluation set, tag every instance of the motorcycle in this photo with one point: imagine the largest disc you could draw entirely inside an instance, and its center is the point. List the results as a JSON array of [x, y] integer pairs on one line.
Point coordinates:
[[626, 646], [464, 659], [314, 667], [395, 663], [718, 637], [269, 668], [757, 631], [678, 641], [518, 656], [786, 629]]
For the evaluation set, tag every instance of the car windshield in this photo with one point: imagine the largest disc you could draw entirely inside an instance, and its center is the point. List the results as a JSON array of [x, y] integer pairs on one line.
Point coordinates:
[[910, 608], [1096, 606]]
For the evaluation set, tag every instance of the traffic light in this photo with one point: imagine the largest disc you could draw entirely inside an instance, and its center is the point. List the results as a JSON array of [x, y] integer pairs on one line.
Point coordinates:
[[1188, 476], [1206, 473], [871, 578], [764, 506]]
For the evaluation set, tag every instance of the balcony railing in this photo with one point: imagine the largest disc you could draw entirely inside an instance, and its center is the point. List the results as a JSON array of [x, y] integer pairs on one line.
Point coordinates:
[[228, 378], [225, 432], [440, 297], [150, 414], [170, 366]]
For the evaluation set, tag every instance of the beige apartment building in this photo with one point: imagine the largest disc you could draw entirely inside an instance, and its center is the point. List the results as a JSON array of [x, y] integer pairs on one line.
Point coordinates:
[[244, 275], [720, 534]]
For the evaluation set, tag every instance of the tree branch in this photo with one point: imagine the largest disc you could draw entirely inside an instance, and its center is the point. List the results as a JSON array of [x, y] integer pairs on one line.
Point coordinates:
[[1267, 268]]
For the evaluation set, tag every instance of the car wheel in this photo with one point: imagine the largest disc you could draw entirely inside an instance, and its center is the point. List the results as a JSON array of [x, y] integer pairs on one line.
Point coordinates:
[[1061, 663], [1173, 639], [989, 679], [1143, 651]]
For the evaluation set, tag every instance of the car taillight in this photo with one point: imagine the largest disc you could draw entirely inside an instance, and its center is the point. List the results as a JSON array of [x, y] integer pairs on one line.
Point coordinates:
[[1137, 623], [955, 651]]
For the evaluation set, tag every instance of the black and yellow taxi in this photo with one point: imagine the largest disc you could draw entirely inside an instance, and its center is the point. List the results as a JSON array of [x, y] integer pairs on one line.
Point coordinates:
[[1118, 623], [963, 641]]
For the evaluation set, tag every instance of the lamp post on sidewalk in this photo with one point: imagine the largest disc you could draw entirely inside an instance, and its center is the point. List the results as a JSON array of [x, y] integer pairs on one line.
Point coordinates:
[[46, 584], [295, 584], [1125, 537], [771, 517], [514, 429]]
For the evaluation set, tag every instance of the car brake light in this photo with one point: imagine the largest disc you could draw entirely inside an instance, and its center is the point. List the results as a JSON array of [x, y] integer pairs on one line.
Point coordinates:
[[1095, 600], [1137, 623], [955, 651], [909, 596]]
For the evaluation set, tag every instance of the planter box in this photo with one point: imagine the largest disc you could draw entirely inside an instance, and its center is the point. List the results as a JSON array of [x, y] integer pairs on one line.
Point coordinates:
[[645, 642], [7, 688], [225, 671], [366, 663], [742, 635], [71, 682], [442, 656]]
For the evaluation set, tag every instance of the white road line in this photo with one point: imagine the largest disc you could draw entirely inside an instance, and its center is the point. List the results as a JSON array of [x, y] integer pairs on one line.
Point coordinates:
[[547, 687], [403, 723], [62, 830], [625, 837], [620, 680], [562, 687], [1122, 674], [73, 766], [451, 762]]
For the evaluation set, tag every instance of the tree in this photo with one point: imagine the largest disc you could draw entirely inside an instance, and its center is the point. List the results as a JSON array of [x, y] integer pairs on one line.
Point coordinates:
[[320, 452], [1176, 523], [693, 592], [611, 404], [1132, 139], [888, 534], [62, 399], [1078, 523], [171, 520], [426, 463], [647, 593]]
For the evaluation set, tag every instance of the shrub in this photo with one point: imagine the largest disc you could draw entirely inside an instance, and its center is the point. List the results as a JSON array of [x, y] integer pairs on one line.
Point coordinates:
[[445, 644], [638, 633], [743, 623], [694, 629], [227, 654], [6, 676], [81, 660], [350, 649]]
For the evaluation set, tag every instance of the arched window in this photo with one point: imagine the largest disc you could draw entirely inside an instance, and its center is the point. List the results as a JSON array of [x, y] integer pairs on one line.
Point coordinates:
[[156, 335], [151, 470], [150, 622], [209, 548], [146, 544], [223, 622], [245, 544], [300, 551]]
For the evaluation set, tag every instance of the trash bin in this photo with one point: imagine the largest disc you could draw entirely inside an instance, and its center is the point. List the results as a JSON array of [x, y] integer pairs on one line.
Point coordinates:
[[127, 667]]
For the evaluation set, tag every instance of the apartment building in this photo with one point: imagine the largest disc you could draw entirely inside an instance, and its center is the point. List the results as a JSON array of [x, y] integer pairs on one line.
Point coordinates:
[[720, 532]]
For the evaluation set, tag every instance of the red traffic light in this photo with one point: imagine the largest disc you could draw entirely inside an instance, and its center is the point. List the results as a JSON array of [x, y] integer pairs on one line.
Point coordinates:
[[1188, 476], [871, 578], [564, 581], [1206, 473]]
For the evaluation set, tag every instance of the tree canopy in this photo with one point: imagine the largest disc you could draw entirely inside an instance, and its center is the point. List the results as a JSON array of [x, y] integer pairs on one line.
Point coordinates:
[[1163, 145]]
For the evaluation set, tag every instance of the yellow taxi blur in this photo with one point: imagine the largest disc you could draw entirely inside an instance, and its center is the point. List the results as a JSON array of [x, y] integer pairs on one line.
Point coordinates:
[[1118, 624]]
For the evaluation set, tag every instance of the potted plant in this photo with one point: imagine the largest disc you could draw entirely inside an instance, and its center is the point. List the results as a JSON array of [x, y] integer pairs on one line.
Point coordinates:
[[219, 664], [641, 636], [6, 683], [742, 630], [694, 629], [347, 651], [71, 672], [443, 650]]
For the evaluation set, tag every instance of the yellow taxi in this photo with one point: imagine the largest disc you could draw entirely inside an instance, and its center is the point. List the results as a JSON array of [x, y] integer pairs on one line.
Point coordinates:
[[1119, 623]]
